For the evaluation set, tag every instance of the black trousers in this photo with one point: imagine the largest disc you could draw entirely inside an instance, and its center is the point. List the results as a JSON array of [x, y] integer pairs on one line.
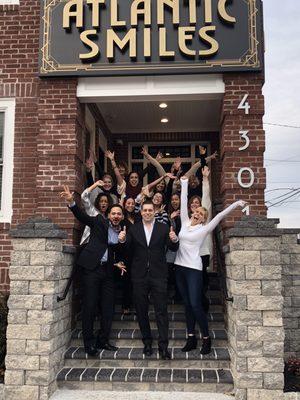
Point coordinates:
[[159, 295], [98, 290], [205, 265]]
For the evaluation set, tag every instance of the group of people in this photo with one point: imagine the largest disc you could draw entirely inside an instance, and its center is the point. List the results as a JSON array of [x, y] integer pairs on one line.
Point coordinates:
[[146, 233]]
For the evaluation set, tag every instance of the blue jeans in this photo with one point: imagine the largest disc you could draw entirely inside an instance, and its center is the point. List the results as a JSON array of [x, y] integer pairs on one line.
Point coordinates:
[[190, 285]]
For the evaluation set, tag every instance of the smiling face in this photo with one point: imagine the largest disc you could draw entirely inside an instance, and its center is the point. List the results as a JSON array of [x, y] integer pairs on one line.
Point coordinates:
[[134, 179], [157, 199], [103, 204], [193, 181], [175, 202], [107, 182], [160, 187], [147, 212], [199, 216], [115, 215], [129, 205], [194, 203]]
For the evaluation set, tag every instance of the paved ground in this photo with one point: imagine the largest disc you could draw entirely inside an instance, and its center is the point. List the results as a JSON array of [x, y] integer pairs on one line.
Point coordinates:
[[103, 395]]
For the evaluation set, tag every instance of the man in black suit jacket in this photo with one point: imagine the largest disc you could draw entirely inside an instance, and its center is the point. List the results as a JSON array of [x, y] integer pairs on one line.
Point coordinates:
[[96, 261], [147, 241]]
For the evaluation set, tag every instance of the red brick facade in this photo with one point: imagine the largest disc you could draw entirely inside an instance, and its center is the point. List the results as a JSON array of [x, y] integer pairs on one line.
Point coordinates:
[[50, 133]]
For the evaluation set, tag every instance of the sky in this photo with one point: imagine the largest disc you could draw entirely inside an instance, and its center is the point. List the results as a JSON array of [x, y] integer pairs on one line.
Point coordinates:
[[282, 103]]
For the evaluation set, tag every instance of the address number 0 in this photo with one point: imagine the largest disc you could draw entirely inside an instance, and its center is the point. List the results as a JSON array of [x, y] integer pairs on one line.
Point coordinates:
[[250, 173]]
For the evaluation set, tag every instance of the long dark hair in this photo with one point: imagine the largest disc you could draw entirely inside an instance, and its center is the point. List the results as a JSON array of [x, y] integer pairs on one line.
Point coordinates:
[[99, 197]]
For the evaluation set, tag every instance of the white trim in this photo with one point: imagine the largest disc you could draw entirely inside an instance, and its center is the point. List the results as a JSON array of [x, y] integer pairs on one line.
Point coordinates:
[[9, 2], [150, 88], [7, 106]]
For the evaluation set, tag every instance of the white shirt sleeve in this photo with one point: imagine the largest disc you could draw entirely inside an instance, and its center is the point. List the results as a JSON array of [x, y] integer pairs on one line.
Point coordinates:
[[184, 215], [206, 201], [218, 218]]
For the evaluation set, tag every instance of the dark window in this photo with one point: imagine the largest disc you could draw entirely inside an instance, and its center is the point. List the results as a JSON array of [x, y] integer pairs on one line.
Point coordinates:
[[136, 153], [171, 151]]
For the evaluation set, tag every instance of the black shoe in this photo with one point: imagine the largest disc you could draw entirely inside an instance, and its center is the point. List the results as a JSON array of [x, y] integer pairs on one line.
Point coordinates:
[[107, 346], [165, 354], [148, 350], [191, 344], [206, 346], [91, 350]]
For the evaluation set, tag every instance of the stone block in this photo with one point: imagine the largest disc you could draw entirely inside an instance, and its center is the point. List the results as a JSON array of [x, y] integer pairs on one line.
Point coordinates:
[[253, 318], [264, 394], [26, 273], [16, 346], [67, 259], [54, 244], [23, 331], [272, 272], [290, 248], [271, 288], [240, 257], [290, 238], [261, 243], [44, 287], [249, 349], [273, 380], [247, 380], [19, 287], [40, 317], [240, 394], [265, 364], [38, 347], [14, 378], [22, 362], [245, 287], [270, 257], [265, 333], [53, 272], [238, 364], [31, 244], [272, 318], [17, 317], [236, 244], [295, 301], [264, 302], [295, 258], [239, 302], [41, 378], [241, 332], [236, 272], [25, 392], [285, 259], [46, 258], [28, 302], [20, 258]]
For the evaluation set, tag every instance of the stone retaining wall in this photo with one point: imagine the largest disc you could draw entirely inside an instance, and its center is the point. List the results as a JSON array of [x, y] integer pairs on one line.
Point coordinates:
[[39, 328]]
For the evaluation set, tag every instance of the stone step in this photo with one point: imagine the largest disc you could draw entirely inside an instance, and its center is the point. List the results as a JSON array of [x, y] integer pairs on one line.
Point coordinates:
[[124, 392], [173, 316], [128, 357], [172, 325], [146, 379], [214, 308]]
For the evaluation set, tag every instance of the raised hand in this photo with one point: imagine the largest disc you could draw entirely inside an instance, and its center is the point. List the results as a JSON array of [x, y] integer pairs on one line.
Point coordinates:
[[212, 157], [110, 154], [170, 175], [175, 214], [242, 203], [159, 156], [172, 235], [99, 183], [122, 235], [205, 172], [121, 266], [144, 152], [202, 150], [177, 163], [66, 194], [184, 178]]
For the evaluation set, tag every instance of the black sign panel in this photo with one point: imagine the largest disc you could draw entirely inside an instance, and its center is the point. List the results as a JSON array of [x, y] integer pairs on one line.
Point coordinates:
[[140, 37]]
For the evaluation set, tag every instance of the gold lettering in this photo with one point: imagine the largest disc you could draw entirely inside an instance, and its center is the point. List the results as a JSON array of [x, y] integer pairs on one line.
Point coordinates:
[[163, 52], [192, 10], [173, 4], [146, 11], [113, 38], [183, 37], [214, 45], [147, 42], [208, 12], [95, 11], [114, 14], [94, 47], [77, 13], [223, 13]]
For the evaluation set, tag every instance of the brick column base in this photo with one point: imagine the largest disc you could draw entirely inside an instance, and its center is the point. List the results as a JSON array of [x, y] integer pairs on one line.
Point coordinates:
[[256, 334], [39, 328]]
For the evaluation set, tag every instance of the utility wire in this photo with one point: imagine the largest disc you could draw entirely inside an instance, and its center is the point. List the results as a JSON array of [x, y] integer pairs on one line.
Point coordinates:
[[282, 125], [283, 195], [280, 202]]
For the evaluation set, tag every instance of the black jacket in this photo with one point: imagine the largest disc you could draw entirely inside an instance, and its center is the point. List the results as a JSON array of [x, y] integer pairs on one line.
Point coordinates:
[[93, 252], [149, 259]]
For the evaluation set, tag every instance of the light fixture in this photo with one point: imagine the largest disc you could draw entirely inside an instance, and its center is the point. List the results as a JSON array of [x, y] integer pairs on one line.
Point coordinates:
[[164, 120], [168, 154], [163, 105]]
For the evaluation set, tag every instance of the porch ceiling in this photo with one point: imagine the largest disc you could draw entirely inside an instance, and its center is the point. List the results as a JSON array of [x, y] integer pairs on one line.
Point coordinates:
[[184, 116]]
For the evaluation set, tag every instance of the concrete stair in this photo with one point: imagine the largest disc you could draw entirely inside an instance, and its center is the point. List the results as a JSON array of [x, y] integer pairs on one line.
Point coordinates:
[[128, 370]]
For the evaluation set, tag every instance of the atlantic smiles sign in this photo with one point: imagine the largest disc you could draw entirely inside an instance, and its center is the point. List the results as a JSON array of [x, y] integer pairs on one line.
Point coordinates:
[[125, 37]]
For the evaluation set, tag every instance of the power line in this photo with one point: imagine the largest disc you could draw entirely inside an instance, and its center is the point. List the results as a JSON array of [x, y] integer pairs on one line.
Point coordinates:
[[282, 125], [280, 202], [285, 188], [283, 195]]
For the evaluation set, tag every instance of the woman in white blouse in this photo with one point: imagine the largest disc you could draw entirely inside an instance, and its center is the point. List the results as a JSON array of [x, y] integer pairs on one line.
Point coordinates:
[[189, 265]]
